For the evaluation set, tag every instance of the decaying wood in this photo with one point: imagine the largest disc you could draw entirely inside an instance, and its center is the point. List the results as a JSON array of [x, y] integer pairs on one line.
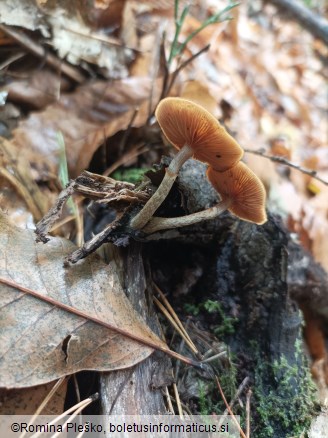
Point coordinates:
[[244, 268], [103, 190], [238, 264], [138, 390]]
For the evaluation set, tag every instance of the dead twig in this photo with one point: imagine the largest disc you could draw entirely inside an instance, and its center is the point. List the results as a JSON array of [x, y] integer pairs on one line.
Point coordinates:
[[129, 155], [41, 52], [238, 393], [248, 413], [235, 398], [11, 59], [282, 160], [104, 190], [91, 245], [128, 130], [157, 64], [173, 317], [175, 325], [182, 66], [177, 400], [169, 80], [43, 227], [312, 22], [229, 409]]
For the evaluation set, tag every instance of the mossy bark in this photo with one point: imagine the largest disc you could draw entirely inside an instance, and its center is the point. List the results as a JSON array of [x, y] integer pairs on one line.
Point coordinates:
[[234, 274], [244, 268]]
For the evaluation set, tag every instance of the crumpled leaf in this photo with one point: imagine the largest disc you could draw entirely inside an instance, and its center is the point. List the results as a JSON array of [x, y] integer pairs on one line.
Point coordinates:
[[85, 118], [73, 39], [41, 342]]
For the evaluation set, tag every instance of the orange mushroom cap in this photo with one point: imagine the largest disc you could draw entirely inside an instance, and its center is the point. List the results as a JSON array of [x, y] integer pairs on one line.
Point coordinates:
[[187, 123], [244, 189]]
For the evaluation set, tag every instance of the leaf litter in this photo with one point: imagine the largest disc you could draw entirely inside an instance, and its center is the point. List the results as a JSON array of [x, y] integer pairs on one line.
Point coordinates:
[[33, 332], [277, 96]]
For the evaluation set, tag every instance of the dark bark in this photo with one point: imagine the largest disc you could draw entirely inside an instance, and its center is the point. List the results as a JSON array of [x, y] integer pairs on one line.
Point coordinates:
[[245, 271], [137, 390], [244, 268], [308, 281]]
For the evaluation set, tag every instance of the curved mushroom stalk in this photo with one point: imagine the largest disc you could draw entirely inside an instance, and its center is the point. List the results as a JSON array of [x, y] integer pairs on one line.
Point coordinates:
[[241, 191], [193, 130], [167, 223], [171, 173]]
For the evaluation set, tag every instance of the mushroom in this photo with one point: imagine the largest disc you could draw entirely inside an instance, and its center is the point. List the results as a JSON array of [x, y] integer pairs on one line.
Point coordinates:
[[241, 191], [196, 133], [244, 190]]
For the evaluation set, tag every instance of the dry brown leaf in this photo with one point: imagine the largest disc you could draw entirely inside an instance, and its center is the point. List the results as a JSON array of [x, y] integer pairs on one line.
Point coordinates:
[[72, 38], [15, 206], [102, 4], [128, 27], [26, 401], [41, 342], [85, 118], [102, 13], [199, 93], [38, 89], [15, 172]]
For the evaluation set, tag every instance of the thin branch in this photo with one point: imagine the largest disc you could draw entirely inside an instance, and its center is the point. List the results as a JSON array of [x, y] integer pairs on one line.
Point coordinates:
[[235, 398], [281, 160], [127, 156], [41, 52], [53, 214], [312, 22], [91, 245], [81, 314], [182, 66], [228, 408], [127, 132], [248, 413], [177, 320], [177, 400], [175, 325]]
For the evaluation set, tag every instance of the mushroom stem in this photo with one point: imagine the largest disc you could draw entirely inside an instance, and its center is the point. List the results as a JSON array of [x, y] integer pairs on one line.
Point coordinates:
[[171, 173], [164, 223]]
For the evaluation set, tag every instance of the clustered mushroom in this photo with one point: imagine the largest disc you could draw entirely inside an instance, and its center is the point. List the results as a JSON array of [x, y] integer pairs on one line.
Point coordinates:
[[198, 134]]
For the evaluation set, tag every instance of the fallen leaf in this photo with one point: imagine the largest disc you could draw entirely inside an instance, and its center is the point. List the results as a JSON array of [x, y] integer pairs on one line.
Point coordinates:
[[40, 342], [72, 38], [38, 89], [25, 401], [85, 118], [199, 93], [15, 172], [128, 27]]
